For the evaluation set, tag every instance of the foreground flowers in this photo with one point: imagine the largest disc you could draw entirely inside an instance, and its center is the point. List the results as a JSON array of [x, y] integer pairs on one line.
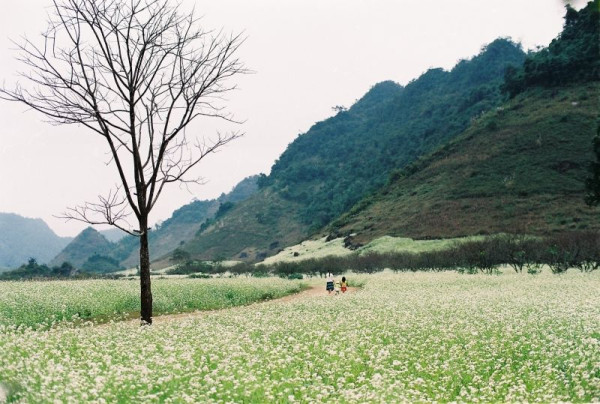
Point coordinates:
[[406, 337]]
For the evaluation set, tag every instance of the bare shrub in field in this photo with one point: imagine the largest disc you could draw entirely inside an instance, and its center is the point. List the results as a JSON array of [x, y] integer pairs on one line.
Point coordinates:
[[572, 250], [369, 263], [522, 252], [482, 256], [589, 250], [568, 250]]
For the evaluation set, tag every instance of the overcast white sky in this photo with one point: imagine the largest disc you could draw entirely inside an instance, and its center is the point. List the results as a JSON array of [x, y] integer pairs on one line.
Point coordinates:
[[308, 55]]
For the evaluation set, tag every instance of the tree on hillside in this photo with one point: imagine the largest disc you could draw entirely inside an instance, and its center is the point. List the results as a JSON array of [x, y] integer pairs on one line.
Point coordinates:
[[571, 57], [592, 184], [137, 73]]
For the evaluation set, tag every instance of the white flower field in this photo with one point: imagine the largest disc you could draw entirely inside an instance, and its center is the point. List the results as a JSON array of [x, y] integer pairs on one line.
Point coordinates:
[[402, 337]]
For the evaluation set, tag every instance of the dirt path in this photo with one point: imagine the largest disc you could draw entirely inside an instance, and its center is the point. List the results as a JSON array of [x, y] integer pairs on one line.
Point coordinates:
[[313, 291]]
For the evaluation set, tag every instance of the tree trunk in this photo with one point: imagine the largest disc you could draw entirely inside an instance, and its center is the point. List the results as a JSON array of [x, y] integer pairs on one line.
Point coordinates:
[[145, 289]]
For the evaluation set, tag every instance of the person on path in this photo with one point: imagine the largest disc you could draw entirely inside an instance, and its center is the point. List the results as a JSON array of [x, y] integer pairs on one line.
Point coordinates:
[[330, 280], [344, 284]]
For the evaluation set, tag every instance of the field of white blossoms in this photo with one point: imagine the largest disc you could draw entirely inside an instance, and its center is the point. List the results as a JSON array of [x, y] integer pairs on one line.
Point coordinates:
[[402, 337], [41, 304]]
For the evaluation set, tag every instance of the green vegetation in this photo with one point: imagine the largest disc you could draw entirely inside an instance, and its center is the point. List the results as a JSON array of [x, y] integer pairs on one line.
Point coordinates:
[[33, 270], [525, 176], [164, 238], [191, 267], [339, 160], [327, 247], [471, 255], [101, 264], [42, 304], [87, 244], [251, 230], [593, 182], [409, 337], [184, 223], [573, 57]]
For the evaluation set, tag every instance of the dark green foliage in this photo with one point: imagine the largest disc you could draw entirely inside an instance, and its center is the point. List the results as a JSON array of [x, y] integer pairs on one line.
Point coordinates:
[[180, 255], [191, 267], [200, 276], [574, 56], [329, 168], [33, 270], [592, 184], [559, 252], [101, 264], [223, 209]]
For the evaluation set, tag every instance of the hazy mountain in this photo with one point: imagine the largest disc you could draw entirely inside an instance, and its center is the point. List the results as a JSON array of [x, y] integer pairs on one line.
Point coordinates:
[[87, 244], [165, 237], [23, 238], [113, 235], [185, 223], [325, 171]]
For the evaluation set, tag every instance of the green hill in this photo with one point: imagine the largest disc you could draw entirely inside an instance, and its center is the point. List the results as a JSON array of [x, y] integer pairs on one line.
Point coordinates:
[[87, 244], [23, 238], [183, 224], [325, 171], [252, 230], [341, 159], [520, 168], [93, 252]]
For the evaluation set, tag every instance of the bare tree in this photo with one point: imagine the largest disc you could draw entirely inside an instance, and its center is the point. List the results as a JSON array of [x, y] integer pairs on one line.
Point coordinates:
[[137, 73]]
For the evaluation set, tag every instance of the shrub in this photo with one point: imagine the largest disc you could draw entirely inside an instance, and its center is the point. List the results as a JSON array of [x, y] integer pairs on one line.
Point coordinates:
[[573, 250], [191, 267]]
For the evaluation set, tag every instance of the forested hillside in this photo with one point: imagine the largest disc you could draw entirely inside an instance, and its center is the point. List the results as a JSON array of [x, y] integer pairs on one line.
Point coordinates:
[[519, 168], [572, 57], [340, 160], [88, 243]]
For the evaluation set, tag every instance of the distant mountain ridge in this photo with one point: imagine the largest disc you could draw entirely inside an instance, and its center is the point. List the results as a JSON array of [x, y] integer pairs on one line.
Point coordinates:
[[22, 238], [183, 224]]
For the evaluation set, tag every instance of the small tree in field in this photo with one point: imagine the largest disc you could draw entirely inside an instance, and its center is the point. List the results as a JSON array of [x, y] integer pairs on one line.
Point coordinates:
[[137, 73]]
